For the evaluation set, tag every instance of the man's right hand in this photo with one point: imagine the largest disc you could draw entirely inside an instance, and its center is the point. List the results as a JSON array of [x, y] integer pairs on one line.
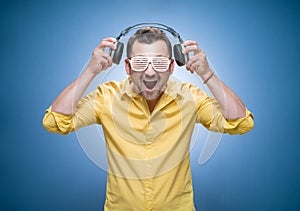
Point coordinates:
[[100, 59]]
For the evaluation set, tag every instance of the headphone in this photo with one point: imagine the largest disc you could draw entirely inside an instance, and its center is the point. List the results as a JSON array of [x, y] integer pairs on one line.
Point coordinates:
[[180, 58]]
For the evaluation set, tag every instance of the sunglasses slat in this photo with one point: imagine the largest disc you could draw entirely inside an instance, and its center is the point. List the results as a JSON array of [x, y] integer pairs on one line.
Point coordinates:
[[139, 64]]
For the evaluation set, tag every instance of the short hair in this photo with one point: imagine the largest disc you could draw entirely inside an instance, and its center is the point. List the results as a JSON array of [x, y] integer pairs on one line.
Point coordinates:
[[148, 35]]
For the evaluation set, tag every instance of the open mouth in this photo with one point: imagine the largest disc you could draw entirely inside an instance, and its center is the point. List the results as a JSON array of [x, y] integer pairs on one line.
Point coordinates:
[[149, 84]]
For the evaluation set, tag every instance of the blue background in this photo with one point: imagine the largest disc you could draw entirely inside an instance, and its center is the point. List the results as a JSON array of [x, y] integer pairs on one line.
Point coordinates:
[[254, 46]]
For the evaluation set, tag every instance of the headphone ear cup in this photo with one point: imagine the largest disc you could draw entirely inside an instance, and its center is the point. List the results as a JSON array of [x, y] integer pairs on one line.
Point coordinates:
[[180, 58], [117, 54]]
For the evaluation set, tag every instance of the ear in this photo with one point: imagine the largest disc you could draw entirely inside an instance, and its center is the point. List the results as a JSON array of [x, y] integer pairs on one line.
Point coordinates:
[[171, 69], [127, 66]]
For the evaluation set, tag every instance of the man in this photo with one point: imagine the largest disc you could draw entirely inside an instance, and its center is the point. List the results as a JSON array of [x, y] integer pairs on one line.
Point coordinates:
[[148, 120]]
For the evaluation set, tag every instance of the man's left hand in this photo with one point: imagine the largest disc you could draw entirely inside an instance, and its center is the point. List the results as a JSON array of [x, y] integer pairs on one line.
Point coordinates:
[[197, 62]]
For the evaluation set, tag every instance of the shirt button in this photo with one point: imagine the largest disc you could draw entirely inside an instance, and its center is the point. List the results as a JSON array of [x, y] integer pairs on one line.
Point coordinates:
[[148, 190], [148, 165]]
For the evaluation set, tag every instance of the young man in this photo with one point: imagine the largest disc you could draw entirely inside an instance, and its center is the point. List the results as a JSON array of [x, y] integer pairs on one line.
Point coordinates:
[[148, 120]]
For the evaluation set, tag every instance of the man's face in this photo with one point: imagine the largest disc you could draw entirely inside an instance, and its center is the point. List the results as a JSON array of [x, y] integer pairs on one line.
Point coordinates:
[[149, 83]]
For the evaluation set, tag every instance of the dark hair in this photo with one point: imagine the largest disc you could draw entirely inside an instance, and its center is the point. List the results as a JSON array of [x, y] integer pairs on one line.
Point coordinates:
[[148, 35]]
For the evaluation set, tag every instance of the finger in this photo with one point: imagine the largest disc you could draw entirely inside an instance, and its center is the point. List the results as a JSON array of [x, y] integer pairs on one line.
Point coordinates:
[[104, 44], [189, 69], [107, 42], [103, 62], [100, 50], [107, 58], [194, 61], [191, 45], [193, 58], [192, 48], [101, 57], [111, 45], [111, 39], [194, 66], [185, 44], [189, 42]]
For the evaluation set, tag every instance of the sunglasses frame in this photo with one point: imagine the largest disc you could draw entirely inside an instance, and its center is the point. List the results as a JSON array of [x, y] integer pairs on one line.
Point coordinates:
[[149, 60]]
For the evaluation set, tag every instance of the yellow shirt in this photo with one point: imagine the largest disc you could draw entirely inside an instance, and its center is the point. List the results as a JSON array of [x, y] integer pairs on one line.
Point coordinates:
[[148, 153]]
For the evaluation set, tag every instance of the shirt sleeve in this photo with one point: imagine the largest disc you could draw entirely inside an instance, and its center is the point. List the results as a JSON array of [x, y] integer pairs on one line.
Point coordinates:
[[84, 114], [209, 114]]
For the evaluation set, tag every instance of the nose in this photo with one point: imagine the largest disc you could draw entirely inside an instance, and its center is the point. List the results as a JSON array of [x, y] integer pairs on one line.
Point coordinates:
[[150, 70]]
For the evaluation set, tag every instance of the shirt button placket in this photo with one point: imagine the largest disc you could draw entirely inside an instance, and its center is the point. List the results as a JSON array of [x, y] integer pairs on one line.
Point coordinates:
[[149, 176]]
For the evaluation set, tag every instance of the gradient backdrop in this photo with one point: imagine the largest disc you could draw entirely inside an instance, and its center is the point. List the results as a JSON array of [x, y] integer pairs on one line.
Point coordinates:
[[254, 46]]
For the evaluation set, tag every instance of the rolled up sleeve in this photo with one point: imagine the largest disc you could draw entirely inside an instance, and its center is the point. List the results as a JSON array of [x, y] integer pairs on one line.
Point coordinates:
[[58, 123], [84, 115], [209, 114], [239, 126]]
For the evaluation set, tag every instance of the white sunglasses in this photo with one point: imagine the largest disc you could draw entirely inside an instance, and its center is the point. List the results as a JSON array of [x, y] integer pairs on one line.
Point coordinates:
[[159, 63]]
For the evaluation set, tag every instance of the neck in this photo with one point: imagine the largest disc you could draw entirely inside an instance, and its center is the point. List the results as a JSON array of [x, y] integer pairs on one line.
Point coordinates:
[[152, 103]]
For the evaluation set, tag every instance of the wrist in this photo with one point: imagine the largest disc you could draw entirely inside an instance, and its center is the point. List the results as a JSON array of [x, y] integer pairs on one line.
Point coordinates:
[[90, 73], [207, 76], [94, 67]]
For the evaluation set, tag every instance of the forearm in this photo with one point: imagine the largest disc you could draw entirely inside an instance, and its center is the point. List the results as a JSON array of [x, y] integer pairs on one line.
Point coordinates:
[[232, 107], [67, 100]]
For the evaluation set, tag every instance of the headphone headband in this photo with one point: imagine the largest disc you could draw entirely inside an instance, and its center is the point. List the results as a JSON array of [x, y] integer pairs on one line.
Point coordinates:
[[151, 24], [180, 58]]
